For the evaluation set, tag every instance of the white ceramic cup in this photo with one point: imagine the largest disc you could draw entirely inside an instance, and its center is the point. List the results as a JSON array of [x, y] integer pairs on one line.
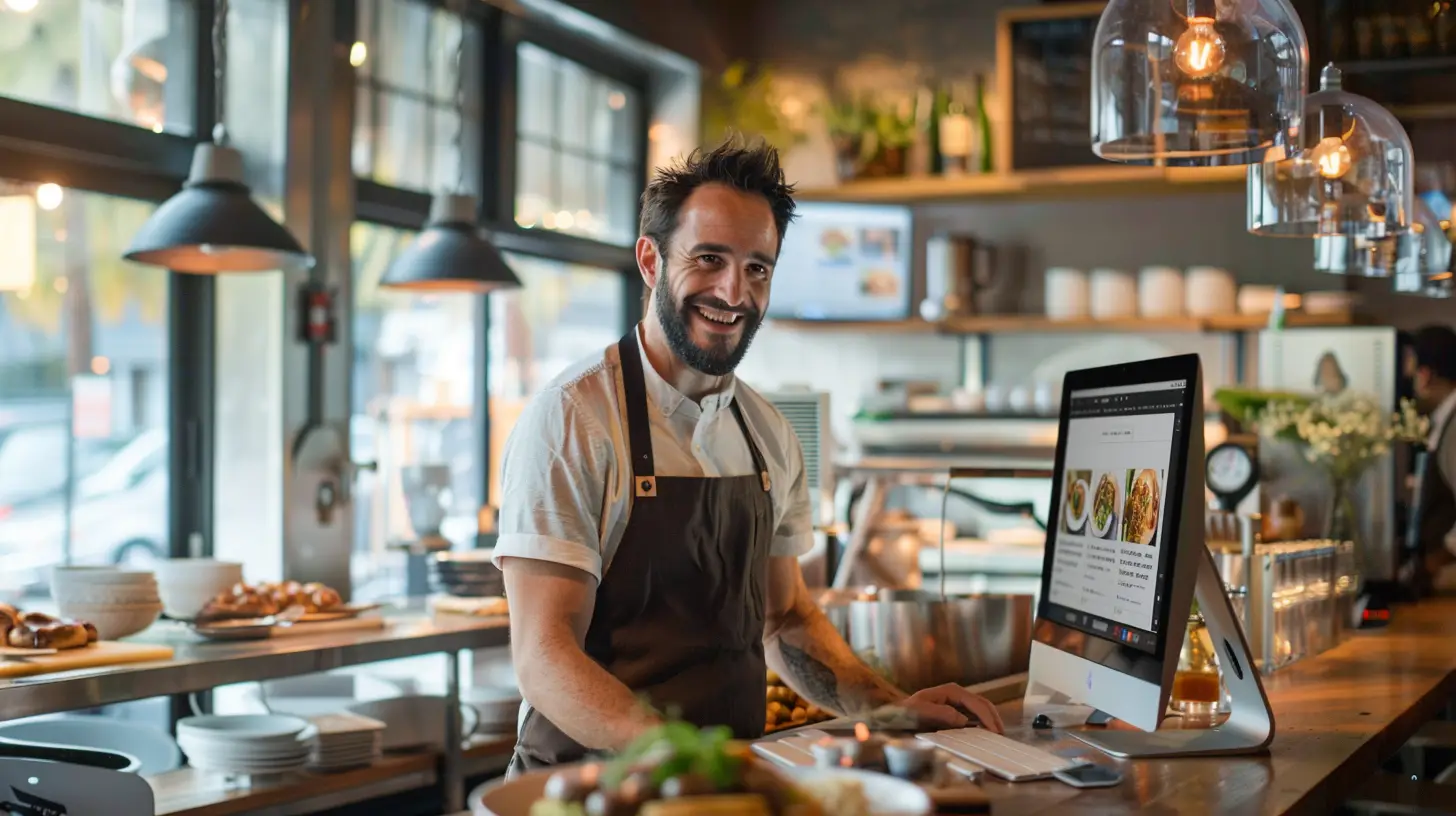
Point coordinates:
[[1209, 291], [1067, 293], [187, 584], [1160, 291], [1114, 294]]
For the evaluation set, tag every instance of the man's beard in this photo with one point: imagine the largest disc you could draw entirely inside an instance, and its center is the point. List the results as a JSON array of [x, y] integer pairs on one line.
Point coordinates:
[[721, 357]]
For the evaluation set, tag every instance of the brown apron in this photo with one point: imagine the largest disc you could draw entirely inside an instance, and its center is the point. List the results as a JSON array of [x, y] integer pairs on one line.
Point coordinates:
[[679, 612], [1434, 516]]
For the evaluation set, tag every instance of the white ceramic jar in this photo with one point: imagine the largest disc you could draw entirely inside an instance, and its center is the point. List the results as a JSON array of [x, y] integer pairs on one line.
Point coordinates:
[[1067, 294], [1210, 291], [1160, 291], [1114, 294]]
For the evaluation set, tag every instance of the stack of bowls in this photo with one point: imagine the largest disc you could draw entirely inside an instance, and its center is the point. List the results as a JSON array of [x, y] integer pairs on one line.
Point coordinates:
[[246, 744], [117, 602], [188, 584], [468, 574]]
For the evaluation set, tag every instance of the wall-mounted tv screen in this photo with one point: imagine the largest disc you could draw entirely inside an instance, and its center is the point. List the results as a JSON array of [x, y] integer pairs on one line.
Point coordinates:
[[844, 262]]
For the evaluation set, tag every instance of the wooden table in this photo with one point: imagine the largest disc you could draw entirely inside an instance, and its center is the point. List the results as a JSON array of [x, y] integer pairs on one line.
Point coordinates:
[[1337, 717]]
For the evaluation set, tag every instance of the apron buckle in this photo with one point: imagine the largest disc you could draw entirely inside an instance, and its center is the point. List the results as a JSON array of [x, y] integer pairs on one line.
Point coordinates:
[[646, 486], [763, 475]]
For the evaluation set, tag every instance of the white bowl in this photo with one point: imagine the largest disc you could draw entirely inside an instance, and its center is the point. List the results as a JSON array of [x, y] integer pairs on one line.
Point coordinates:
[[105, 594], [187, 584], [113, 621], [416, 721]]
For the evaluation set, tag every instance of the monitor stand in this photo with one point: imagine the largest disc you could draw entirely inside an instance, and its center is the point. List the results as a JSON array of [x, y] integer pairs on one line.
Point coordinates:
[[1250, 726]]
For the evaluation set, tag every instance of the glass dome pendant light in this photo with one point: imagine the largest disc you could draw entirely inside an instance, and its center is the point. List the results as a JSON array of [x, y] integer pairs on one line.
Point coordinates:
[[1197, 83], [1425, 263], [213, 225], [1350, 185], [452, 255]]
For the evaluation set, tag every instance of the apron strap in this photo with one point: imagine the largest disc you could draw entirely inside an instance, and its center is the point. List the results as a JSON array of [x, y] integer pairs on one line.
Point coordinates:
[[639, 430], [758, 462]]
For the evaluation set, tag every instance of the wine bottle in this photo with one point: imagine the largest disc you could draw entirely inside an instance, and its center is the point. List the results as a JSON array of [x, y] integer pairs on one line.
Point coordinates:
[[983, 127], [937, 113]]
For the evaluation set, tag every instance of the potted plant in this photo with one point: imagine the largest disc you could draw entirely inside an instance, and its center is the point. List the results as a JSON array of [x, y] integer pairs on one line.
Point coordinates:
[[892, 132], [743, 100], [847, 122]]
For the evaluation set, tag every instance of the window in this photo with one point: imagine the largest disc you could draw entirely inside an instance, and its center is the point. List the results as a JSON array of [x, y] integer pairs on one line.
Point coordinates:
[[405, 119], [562, 313], [130, 62], [83, 373], [413, 403], [579, 148]]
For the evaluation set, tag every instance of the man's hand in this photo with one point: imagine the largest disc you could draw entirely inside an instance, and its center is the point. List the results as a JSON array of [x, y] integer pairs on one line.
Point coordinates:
[[950, 706]]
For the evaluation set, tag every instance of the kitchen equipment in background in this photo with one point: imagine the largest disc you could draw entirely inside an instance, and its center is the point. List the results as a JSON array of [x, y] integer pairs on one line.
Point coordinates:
[[111, 760], [1160, 291], [808, 415], [1068, 295], [1423, 256], [1114, 294], [891, 557], [426, 491], [187, 584], [1019, 399], [154, 750], [498, 707], [1231, 472], [965, 276], [468, 574], [1209, 291], [416, 721], [1261, 300], [313, 695], [246, 744], [1328, 303], [920, 641]]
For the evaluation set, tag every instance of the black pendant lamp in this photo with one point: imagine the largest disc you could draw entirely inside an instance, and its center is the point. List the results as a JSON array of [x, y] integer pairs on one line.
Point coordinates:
[[214, 225], [452, 255]]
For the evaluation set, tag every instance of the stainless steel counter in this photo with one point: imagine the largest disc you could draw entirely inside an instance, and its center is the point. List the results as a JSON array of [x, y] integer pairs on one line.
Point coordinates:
[[199, 665]]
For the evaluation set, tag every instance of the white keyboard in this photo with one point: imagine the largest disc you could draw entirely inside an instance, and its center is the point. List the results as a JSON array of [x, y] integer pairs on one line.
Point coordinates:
[[1002, 756]]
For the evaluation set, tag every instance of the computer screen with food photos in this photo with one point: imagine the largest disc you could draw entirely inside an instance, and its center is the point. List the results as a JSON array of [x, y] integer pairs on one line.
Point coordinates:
[[844, 262], [1110, 546]]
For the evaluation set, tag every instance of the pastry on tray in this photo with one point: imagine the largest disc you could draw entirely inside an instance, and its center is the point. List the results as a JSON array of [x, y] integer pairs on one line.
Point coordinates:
[[262, 600], [35, 630]]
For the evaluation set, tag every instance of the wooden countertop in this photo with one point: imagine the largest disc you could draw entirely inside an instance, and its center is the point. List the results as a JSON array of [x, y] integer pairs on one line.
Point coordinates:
[[1337, 717]]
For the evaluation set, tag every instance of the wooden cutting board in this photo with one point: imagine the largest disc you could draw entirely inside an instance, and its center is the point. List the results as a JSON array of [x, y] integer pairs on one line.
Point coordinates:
[[329, 627], [104, 653]]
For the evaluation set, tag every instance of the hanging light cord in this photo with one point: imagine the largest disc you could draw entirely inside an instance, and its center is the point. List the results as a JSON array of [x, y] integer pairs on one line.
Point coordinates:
[[459, 99], [219, 70]]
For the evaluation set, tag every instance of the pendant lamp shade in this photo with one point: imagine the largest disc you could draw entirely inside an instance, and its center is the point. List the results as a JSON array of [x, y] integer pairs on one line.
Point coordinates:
[[450, 255], [1352, 176], [1423, 263], [1196, 83], [213, 225]]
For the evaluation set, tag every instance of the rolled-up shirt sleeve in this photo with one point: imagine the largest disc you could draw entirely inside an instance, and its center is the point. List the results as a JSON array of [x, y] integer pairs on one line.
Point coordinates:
[[553, 478], [794, 533]]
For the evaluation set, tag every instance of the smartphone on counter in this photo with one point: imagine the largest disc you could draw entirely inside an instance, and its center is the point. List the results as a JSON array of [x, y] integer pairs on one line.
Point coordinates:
[[1089, 776]]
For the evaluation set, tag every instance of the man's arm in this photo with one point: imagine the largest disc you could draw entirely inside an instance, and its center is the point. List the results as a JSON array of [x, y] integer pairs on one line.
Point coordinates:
[[551, 606], [806, 650]]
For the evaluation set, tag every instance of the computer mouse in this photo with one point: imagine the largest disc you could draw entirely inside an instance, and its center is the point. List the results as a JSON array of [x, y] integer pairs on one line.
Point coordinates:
[[1041, 722]]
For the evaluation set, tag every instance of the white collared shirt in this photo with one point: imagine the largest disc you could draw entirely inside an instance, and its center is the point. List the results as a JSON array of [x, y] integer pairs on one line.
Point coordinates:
[[566, 474]]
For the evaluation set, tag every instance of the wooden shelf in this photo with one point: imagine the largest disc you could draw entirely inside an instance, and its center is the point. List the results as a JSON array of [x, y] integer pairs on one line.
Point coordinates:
[[1397, 66], [858, 326], [1015, 324], [1072, 182]]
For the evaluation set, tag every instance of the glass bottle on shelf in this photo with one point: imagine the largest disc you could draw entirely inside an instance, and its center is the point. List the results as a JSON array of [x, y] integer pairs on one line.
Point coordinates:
[[957, 139], [1390, 30], [983, 127], [1443, 27]]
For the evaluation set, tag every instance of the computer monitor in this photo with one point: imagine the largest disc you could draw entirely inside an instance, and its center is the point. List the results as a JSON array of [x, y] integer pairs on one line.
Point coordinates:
[[1126, 557]]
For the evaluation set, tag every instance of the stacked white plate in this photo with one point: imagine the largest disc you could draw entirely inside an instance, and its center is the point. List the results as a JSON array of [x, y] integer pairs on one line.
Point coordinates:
[[346, 741], [246, 744]]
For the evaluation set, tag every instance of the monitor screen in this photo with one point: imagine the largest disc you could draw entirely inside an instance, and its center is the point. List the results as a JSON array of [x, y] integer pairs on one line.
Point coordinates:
[[1111, 548], [844, 262]]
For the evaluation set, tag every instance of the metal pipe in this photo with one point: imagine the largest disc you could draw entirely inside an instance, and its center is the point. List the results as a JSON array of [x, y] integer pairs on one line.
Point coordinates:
[[452, 777]]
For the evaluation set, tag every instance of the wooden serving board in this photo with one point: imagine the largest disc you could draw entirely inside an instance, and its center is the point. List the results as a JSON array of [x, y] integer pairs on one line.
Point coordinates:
[[488, 607], [329, 627], [104, 653]]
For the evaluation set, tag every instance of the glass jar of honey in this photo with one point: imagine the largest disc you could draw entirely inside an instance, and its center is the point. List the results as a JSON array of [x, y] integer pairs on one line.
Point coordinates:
[[1197, 688]]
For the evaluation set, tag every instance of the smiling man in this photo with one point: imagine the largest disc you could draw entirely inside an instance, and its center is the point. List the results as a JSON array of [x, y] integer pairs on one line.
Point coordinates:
[[654, 507]]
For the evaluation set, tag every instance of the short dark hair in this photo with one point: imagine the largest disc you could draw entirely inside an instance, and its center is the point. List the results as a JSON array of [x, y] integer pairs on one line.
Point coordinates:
[[1435, 348], [752, 167]]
